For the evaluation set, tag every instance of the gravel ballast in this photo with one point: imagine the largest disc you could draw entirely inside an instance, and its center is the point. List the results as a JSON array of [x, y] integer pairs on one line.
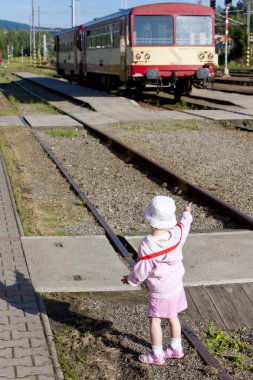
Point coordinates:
[[121, 192]]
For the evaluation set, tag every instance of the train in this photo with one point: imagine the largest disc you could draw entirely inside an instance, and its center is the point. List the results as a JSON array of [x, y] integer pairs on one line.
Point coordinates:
[[167, 45]]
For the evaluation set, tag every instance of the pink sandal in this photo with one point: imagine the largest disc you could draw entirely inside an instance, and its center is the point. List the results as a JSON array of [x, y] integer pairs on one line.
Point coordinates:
[[151, 358], [177, 353]]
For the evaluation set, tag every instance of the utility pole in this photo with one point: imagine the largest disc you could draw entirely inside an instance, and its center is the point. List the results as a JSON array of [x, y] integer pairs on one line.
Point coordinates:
[[248, 34], [73, 13], [34, 44], [30, 20], [227, 5], [22, 52], [123, 4], [73, 7], [39, 46], [45, 53]]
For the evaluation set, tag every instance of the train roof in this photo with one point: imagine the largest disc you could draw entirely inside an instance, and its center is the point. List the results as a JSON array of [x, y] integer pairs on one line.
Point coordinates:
[[120, 13], [157, 8]]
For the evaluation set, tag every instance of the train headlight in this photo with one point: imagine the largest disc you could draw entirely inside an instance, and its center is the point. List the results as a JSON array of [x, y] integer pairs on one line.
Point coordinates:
[[201, 56], [138, 56], [210, 55], [147, 56]]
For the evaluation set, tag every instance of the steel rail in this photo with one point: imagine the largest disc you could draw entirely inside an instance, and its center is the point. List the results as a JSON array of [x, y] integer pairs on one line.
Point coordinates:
[[243, 219], [115, 241]]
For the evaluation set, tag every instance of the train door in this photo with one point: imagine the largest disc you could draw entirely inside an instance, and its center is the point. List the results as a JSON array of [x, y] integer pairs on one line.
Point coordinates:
[[57, 53], [123, 49], [80, 53]]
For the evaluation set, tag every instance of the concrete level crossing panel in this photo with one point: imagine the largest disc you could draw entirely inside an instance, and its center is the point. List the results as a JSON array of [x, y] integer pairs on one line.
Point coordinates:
[[52, 121], [74, 264], [219, 115], [215, 258], [112, 108], [10, 121]]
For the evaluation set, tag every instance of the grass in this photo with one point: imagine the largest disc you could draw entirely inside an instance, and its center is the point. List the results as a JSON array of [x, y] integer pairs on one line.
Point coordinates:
[[14, 102], [16, 65], [160, 126], [24, 213], [67, 366], [3, 79], [50, 218], [37, 217], [7, 111], [64, 133], [45, 108], [232, 348]]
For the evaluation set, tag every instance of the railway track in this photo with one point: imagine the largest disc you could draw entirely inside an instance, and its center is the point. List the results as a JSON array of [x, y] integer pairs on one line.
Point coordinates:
[[240, 217], [238, 115], [192, 338]]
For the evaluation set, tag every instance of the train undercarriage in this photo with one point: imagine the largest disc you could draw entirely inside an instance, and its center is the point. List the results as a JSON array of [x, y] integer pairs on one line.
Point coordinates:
[[175, 85]]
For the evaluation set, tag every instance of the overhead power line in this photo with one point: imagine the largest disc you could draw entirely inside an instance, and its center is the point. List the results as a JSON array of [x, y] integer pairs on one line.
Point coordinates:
[[231, 20]]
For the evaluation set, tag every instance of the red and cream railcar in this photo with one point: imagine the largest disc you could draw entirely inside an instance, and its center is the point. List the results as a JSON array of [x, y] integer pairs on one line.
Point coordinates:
[[170, 45], [69, 47]]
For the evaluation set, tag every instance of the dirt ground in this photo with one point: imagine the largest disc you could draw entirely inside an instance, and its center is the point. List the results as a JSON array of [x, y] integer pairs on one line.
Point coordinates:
[[99, 336]]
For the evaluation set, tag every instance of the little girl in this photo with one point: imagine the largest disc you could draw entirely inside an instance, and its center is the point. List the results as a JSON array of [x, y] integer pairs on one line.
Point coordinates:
[[160, 264]]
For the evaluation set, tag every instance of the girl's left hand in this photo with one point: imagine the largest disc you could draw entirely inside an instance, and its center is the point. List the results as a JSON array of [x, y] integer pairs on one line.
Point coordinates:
[[124, 280]]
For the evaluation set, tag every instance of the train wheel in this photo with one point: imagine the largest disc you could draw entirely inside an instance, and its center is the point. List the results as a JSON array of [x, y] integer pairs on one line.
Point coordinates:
[[189, 88], [183, 86], [178, 91]]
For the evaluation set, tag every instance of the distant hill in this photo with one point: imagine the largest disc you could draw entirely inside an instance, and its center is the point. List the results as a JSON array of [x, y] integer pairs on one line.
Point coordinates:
[[13, 25], [19, 26]]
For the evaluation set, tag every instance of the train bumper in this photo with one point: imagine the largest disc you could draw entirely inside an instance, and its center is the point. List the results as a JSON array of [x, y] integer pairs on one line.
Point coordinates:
[[152, 74], [202, 73]]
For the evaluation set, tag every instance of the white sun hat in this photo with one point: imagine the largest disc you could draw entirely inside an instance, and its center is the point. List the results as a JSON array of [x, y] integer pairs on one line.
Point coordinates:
[[160, 213]]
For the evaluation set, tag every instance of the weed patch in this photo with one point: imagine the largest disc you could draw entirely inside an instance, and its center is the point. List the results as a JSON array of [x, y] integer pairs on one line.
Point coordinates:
[[64, 133], [232, 347]]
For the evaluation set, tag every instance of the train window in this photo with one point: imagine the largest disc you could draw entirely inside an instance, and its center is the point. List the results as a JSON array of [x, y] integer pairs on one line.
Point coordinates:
[[102, 37], [88, 36], [194, 30], [110, 36], [153, 30], [116, 35]]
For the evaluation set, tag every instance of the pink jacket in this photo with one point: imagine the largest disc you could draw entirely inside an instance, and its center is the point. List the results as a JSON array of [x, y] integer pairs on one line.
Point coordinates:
[[163, 274]]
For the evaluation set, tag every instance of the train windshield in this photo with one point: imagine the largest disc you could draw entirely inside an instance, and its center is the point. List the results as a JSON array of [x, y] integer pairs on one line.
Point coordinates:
[[194, 30], [153, 30]]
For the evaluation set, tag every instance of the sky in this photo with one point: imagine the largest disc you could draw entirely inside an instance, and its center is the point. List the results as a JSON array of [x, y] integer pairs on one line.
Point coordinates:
[[57, 13]]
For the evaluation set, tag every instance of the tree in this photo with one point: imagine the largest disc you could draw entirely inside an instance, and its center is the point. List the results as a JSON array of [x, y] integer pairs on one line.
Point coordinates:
[[237, 27]]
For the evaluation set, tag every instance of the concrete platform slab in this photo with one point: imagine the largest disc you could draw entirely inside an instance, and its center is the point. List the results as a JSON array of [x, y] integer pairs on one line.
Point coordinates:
[[52, 121], [105, 104], [219, 115], [10, 121], [127, 110], [215, 258], [74, 264]]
